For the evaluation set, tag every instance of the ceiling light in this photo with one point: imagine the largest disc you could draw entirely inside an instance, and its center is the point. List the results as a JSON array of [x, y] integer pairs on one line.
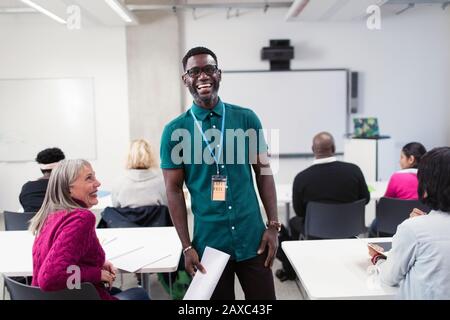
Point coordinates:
[[44, 11], [121, 10]]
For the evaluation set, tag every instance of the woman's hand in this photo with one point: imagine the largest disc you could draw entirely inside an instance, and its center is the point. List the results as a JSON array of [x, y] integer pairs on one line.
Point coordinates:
[[108, 278], [108, 266], [416, 213], [372, 251]]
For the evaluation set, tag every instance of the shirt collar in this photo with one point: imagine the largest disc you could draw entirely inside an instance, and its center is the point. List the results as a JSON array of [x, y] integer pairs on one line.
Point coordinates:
[[409, 170], [201, 113], [324, 160]]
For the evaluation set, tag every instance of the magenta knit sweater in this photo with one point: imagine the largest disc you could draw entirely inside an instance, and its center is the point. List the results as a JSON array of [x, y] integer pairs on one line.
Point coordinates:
[[66, 239]]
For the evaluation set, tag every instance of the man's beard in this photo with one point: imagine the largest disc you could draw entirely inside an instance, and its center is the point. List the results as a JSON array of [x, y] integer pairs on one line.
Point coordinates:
[[207, 100]]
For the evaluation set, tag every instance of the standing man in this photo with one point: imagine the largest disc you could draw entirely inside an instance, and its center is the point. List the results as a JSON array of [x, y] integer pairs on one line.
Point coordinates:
[[218, 174]]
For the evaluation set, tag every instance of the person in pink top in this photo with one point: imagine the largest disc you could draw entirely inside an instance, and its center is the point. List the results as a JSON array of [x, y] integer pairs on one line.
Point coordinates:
[[403, 184], [65, 235]]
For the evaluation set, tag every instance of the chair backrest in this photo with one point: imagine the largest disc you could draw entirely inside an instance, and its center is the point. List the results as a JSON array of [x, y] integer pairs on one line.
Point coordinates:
[[17, 220], [391, 212], [335, 221], [147, 216], [20, 291]]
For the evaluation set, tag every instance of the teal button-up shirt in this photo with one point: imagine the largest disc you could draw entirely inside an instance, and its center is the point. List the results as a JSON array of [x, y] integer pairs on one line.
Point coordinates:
[[234, 226]]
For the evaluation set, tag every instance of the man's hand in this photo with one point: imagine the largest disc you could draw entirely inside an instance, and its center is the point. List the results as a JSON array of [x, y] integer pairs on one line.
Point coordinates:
[[416, 213], [270, 239], [192, 262]]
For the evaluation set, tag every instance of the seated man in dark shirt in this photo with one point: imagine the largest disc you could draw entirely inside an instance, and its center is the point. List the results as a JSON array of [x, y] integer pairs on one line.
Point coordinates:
[[33, 192], [327, 180]]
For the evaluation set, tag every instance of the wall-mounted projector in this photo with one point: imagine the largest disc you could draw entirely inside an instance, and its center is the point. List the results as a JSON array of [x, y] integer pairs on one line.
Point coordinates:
[[279, 53]]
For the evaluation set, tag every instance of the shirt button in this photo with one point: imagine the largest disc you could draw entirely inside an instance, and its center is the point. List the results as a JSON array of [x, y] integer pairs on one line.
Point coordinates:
[[226, 187], [232, 228], [229, 207], [223, 166], [218, 146], [211, 114]]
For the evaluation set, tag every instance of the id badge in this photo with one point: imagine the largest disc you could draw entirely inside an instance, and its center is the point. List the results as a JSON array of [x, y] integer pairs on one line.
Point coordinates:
[[218, 188]]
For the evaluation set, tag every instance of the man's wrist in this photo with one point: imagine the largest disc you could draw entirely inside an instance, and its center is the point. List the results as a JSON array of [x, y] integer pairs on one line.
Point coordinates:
[[187, 249], [273, 224]]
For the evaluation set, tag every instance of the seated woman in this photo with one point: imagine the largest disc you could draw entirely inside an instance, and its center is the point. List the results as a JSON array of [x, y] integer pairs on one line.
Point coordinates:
[[33, 192], [65, 234], [143, 184], [419, 261], [403, 183]]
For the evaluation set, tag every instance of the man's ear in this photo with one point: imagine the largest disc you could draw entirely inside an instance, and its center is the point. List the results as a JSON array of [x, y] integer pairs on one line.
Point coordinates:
[[183, 78], [219, 71]]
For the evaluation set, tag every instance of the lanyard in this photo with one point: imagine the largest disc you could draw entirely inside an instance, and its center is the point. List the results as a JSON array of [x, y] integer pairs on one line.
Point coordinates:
[[216, 160]]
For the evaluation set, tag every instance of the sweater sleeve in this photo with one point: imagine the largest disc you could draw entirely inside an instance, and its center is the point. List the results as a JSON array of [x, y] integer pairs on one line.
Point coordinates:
[[298, 197], [401, 257], [69, 246], [363, 189]]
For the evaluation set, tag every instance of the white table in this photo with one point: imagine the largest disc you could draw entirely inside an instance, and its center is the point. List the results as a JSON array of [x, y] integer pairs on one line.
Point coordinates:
[[16, 248], [336, 269], [378, 189]]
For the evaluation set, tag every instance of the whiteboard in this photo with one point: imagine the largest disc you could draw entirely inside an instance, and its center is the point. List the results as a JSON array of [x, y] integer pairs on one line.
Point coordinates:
[[42, 113], [299, 103]]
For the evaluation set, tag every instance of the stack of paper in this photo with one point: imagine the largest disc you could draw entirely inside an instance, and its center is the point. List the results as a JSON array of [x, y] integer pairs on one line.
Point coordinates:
[[203, 284]]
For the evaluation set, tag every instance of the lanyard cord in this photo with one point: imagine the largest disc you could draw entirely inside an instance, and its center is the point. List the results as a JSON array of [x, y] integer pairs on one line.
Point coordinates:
[[216, 160]]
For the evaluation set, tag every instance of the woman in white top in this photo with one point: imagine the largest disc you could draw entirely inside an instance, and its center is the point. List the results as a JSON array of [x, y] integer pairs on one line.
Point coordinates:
[[419, 261], [143, 184]]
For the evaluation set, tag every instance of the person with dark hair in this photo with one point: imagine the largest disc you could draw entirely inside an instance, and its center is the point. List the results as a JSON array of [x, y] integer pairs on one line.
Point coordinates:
[[226, 210], [33, 192], [419, 261], [403, 183], [326, 180]]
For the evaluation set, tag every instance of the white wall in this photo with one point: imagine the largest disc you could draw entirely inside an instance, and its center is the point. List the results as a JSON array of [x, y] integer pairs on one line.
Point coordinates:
[[404, 67], [33, 46], [154, 69]]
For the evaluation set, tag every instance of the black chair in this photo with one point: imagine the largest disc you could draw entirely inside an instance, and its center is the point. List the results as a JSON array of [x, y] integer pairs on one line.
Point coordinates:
[[147, 216], [17, 220], [335, 221], [20, 291], [391, 212]]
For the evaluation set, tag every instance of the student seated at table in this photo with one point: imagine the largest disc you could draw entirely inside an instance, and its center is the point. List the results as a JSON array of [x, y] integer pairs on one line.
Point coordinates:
[[419, 261], [143, 184], [33, 192], [65, 234], [403, 183], [327, 180]]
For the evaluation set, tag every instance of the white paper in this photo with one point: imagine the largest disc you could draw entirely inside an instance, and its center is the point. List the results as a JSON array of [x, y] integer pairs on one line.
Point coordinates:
[[130, 255], [203, 284]]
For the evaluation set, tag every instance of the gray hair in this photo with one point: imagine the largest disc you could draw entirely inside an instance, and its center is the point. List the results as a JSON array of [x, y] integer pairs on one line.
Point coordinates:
[[57, 196]]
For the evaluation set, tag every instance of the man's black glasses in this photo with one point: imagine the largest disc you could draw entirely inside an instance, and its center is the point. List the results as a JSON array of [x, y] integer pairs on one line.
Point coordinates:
[[195, 72]]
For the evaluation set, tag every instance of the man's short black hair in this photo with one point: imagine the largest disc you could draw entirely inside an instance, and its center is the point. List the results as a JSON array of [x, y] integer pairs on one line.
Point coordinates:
[[196, 51], [50, 155], [434, 179]]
